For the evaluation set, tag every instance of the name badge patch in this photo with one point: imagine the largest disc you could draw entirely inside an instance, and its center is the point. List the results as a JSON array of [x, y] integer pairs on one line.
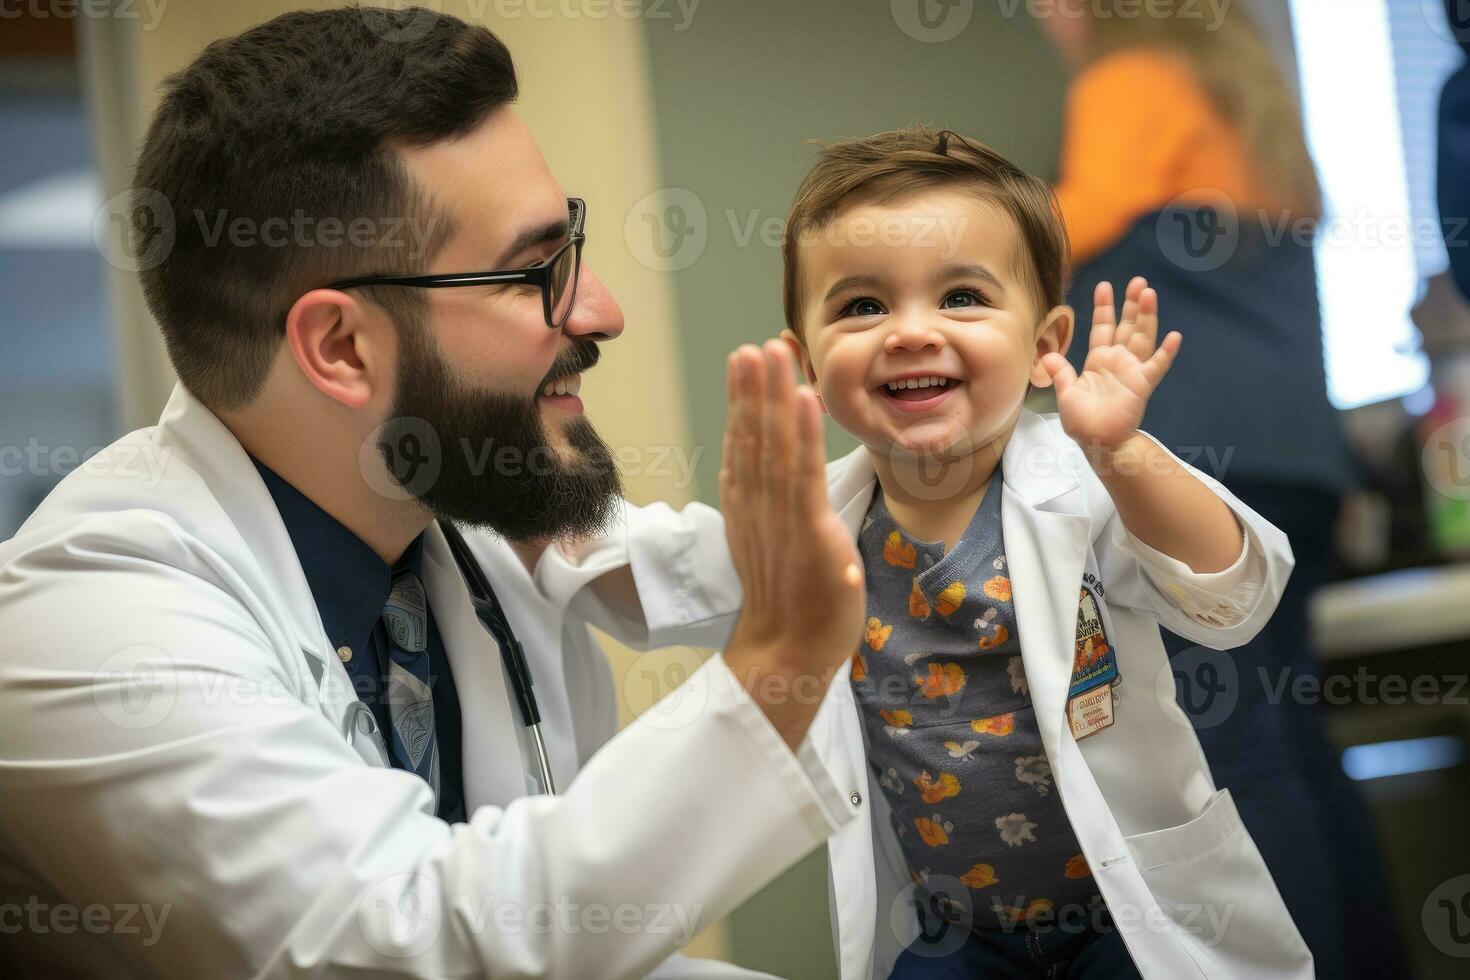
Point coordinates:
[[1090, 713], [1094, 669]]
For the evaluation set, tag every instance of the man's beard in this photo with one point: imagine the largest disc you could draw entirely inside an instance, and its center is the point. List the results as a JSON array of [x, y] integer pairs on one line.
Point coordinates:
[[496, 468]]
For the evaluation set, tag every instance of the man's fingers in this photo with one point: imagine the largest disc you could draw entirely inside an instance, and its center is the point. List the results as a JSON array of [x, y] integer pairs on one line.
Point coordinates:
[[744, 522], [779, 408], [727, 446], [778, 427], [749, 383], [732, 451], [810, 474]]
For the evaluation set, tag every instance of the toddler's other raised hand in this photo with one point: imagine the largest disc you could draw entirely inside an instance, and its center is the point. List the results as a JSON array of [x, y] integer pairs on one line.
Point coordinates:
[[1103, 407]]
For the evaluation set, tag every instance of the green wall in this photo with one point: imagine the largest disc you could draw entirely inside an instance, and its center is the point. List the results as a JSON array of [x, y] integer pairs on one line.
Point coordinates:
[[738, 92]]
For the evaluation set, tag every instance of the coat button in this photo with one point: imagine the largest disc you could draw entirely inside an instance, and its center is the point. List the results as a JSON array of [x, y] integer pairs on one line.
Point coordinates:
[[344, 653], [857, 799]]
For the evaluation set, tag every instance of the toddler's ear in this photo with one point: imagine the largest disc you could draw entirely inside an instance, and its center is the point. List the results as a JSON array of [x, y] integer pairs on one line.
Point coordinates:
[[805, 360], [1054, 337]]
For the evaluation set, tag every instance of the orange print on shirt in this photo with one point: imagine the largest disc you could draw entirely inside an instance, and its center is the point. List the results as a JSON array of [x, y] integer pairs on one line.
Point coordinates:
[[896, 719], [918, 605], [995, 639], [932, 832], [949, 600], [859, 667], [1077, 867], [896, 552], [998, 587], [935, 790], [943, 680], [878, 634], [999, 725], [980, 876]]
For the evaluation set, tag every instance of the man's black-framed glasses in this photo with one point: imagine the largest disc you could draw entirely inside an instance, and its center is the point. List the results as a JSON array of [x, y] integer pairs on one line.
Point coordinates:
[[556, 275]]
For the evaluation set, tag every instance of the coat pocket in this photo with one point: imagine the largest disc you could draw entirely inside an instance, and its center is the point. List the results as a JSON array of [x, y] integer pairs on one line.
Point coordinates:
[[1209, 878]]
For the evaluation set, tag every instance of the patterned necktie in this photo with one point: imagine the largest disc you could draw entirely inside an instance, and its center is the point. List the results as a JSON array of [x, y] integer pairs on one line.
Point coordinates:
[[410, 703]]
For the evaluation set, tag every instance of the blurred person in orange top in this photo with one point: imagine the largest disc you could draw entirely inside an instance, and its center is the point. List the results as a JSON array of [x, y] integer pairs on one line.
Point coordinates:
[[1184, 161], [1172, 108]]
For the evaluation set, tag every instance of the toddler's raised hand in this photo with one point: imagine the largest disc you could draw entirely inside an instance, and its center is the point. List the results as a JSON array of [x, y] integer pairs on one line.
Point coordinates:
[[1103, 407]]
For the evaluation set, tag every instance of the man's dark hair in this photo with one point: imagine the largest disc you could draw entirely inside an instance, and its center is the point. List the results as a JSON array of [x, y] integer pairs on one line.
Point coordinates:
[[271, 148]]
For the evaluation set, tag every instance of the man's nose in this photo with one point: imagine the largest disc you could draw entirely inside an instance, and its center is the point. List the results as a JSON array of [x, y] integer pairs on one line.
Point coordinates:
[[596, 316], [912, 332]]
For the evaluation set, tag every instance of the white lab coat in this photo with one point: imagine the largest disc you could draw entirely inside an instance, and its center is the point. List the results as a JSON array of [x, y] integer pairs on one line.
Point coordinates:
[[172, 747], [1179, 872]]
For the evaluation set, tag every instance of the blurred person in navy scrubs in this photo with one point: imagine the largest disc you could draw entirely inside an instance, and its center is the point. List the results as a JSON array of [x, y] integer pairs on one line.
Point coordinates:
[[1184, 161]]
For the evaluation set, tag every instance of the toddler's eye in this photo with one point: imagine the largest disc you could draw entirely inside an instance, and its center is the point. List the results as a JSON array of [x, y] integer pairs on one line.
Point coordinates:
[[862, 307], [961, 298]]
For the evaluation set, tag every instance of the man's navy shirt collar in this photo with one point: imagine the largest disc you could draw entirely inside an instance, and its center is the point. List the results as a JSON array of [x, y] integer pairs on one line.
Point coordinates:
[[349, 582]]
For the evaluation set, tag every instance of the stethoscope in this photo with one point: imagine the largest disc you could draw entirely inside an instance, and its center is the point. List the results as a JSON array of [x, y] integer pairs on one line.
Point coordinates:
[[493, 618]]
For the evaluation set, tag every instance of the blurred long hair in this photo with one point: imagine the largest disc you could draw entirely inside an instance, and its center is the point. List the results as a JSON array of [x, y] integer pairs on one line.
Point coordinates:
[[1238, 71]]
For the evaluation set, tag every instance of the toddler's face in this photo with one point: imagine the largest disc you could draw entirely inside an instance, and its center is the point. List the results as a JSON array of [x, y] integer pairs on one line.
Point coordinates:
[[920, 335]]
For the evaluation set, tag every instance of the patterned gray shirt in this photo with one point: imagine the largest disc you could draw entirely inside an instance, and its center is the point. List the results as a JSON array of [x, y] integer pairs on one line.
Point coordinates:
[[951, 729]]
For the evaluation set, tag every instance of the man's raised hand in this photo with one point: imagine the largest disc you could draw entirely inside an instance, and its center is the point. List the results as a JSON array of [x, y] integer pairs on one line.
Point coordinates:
[[799, 568]]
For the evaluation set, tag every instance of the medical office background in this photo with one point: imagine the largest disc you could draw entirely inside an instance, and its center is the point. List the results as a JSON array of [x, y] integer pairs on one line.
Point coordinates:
[[685, 124]]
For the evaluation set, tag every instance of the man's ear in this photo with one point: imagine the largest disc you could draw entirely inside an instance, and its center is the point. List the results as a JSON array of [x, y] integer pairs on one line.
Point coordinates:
[[339, 346], [805, 360], [1054, 337]]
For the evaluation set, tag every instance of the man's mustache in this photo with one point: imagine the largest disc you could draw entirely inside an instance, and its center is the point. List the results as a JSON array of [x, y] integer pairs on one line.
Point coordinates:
[[580, 356]]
